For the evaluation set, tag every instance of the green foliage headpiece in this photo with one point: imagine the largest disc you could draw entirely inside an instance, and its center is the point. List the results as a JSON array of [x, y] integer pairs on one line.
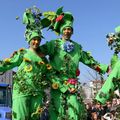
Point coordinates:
[[34, 23], [59, 20]]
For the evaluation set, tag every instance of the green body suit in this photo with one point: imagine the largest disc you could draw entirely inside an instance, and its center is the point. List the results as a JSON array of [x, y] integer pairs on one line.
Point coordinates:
[[28, 83], [64, 104]]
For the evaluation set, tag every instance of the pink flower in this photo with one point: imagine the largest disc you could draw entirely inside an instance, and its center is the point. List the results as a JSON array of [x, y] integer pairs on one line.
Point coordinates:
[[59, 18], [72, 81]]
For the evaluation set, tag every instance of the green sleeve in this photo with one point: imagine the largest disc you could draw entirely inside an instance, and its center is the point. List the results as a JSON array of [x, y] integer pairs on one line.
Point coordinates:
[[11, 62], [48, 48], [88, 60], [112, 82], [114, 60], [103, 68]]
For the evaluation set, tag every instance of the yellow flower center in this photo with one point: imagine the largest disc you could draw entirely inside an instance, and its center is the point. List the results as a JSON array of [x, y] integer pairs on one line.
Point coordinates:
[[26, 60], [41, 62], [7, 60], [39, 110], [21, 49], [66, 83], [28, 68], [49, 66], [55, 85]]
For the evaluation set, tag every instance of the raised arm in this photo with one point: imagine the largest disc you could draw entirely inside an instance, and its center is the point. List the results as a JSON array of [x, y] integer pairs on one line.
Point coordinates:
[[88, 60], [14, 61], [112, 83]]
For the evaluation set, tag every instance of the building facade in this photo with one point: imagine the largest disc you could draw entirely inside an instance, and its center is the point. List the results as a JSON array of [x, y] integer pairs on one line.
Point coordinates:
[[6, 77]]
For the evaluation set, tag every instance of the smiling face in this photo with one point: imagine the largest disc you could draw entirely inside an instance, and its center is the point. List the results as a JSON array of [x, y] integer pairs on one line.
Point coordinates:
[[67, 32], [34, 43]]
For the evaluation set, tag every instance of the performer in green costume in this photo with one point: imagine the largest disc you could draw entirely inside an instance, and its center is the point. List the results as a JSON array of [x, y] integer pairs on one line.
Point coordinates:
[[65, 55], [113, 81], [30, 79]]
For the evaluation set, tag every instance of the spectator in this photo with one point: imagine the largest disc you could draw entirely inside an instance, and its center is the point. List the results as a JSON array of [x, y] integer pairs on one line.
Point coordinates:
[[89, 111], [97, 112]]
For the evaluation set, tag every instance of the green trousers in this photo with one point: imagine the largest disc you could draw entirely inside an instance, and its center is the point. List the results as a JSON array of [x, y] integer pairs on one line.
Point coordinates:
[[66, 106], [25, 107]]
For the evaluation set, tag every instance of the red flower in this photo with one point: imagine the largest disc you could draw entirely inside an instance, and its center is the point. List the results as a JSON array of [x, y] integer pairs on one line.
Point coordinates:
[[77, 72], [59, 18], [97, 69], [109, 69]]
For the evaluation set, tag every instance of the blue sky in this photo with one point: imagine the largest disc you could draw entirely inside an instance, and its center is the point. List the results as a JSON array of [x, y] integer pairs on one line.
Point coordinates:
[[93, 20]]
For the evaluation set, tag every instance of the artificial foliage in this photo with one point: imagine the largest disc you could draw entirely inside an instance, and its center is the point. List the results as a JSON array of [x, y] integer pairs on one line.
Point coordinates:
[[113, 40]]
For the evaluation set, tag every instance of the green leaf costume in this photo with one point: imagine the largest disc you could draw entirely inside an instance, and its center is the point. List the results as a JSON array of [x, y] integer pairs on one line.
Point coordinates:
[[64, 56], [66, 105], [30, 80]]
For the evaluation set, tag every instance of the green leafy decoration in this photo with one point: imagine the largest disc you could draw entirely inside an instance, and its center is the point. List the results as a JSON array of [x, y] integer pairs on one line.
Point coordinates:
[[49, 15], [59, 11], [45, 22]]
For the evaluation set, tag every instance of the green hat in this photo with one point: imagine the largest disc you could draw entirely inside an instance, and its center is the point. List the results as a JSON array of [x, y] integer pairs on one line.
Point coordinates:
[[34, 23], [32, 34], [59, 20], [66, 21]]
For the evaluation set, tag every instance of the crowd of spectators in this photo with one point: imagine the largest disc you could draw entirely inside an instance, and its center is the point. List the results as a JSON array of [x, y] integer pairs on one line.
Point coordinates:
[[109, 111]]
